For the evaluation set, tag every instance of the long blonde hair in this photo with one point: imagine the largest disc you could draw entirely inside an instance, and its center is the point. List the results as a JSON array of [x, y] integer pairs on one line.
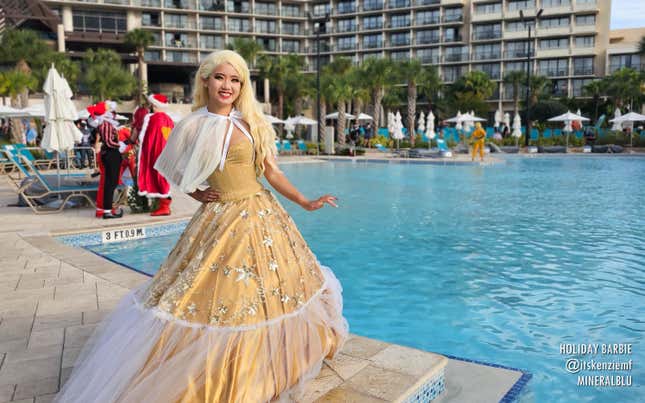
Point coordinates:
[[261, 130]]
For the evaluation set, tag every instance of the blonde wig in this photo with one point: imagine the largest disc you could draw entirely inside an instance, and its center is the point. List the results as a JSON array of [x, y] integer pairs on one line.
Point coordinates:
[[261, 130]]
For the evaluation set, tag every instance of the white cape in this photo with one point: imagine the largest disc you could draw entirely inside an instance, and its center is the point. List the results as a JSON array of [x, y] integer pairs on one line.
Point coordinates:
[[196, 147]]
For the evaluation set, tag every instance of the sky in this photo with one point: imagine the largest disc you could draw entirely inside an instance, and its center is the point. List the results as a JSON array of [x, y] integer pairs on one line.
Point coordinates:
[[627, 13]]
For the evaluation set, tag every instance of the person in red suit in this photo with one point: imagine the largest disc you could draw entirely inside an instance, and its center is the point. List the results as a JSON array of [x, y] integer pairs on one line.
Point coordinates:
[[152, 137], [128, 154]]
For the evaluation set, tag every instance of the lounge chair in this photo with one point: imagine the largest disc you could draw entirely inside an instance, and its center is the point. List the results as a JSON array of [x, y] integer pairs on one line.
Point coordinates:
[[25, 151], [302, 147], [38, 190], [444, 151]]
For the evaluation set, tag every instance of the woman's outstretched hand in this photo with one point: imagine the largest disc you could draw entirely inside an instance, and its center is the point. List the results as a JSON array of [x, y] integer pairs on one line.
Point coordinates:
[[320, 202], [207, 195]]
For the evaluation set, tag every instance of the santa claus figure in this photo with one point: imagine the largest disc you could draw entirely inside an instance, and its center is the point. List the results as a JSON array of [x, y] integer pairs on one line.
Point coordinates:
[[152, 137], [103, 119]]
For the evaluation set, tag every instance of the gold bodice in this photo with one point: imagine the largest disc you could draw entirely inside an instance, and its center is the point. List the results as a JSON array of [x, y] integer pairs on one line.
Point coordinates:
[[238, 179]]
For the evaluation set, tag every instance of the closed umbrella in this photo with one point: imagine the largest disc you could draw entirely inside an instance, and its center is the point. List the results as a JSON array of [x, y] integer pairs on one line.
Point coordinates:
[[517, 126], [398, 128], [430, 133], [617, 123], [498, 118], [390, 123], [507, 119], [289, 126], [60, 133], [421, 123]]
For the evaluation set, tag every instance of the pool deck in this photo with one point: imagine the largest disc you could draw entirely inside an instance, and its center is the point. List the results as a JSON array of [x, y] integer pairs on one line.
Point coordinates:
[[53, 295]]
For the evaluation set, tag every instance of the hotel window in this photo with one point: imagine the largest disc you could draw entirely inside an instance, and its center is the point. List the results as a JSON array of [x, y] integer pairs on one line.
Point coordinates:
[[585, 20], [490, 8], [211, 42], [214, 23], [157, 39], [558, 22], [238, 25], [400, 55], [555, 3], [488, 31], [617, 62], [152, 56], [177, 4], [265, 26], [210, 5], [427, 37], [516, 49], [150, 19], [400, 20], [456, 54], [487, 52], [516, 26], [428, 17], [399, 3], [560, 88], [89, 21], [180, 57], [373, 41], [579, 85], [176, 20], [291, 28], [290, 46], [291, 10], [269, 44], [451, 35], [514, 66], [400, 39], [585, 41], [373, 5], [428, 55], [266, 8], [515, 5], [492, 69], [237, 6], [321, 9], [453, 73], [346, 42], [555, 43], [347, 25], [587, 2], [554, 67], [452, 14], [373, 22], [346, 7], [177, 40], [583, 66], [508, 91]]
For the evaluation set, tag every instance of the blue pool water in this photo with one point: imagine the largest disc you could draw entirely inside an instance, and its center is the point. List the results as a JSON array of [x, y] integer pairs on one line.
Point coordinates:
[[498, 263]]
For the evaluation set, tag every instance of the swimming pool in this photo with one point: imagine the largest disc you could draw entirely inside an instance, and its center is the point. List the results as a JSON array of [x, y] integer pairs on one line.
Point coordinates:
[[500, 263]]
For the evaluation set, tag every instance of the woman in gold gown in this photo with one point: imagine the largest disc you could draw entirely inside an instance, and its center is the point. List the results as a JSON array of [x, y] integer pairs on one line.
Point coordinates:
[[241, 310]]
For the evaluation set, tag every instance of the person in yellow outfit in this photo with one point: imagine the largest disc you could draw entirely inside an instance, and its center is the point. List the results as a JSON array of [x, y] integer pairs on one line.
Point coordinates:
[[479, 138]]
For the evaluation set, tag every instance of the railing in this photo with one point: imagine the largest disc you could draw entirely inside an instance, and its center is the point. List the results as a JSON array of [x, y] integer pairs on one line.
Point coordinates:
[[399, 3], [286, 12], [453, 18], [181, 43], [510, 54], [401, 24], [346, 46], [613, 67], [455, 57], [346, 9], [429, 59], [351, 28], [583, 71], [212, 27], [373, 26], [554, 72], [181, 25], [372, 45], [148, 3], [373, 5], [265, 30], [429, 21], [492, 34], [400, 42], [424, 40], [265, 11], [427, 2], [486, 55], [455, 38], [291, 31], [180, 57]]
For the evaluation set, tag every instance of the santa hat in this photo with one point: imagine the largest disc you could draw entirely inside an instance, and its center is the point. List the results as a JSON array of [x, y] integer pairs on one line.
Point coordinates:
[[100, 112], [158, 100]]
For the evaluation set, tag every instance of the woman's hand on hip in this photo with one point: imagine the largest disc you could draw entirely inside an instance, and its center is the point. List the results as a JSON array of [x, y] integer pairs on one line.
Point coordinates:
[[207, 195], [320, 202]]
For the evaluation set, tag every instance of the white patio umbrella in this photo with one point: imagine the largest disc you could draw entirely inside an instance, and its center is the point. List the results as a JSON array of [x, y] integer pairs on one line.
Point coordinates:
[[335, 115], [617, 123], [301, 120], [507, 119], [60, 132], [273, 120], [579, 121], [289, 126], [630, 117], [430, 132], [455, 119], [568, 117], [391, 119], [398, 128], [364, 116], [421, 123], [517, 126], [498, 118]]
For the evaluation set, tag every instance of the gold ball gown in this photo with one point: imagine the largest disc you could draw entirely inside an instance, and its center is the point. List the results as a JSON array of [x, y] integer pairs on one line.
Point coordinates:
[[240, 311]]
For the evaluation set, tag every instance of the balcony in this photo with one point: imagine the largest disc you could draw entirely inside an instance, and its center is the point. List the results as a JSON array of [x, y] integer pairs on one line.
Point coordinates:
[[427, 40], [429, 59], [180, 57], [455, 57], [265, 11], [181, 43], [549, 11], [515, 13], [429, 21], [554, 72], [399, 3], [373, 5], [368, 27], [523, 34], [288, 12], [148, 3], [553, 52], [372, 45], [556, 30], [451, 2], [180, 25], [584, 29], [427, 2], [345, 47], [486, 55], [487, 34], [583, 71], [517, 54], [212, 26], [452, 39], [450, 19], [486, 17], [292, 31], [587, 6], [346, 9], [399, 42]]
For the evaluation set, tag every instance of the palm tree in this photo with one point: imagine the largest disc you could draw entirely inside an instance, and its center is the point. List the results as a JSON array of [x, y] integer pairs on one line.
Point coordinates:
[[380, 73], [140, 40], [515, 79], [27, 50], [412, 72], [247, 48], [278, 70], [104, 75], [14, 83], [359, 92], [431, 85], [624, 86], [540, 88], [338, 91], [595, 89]]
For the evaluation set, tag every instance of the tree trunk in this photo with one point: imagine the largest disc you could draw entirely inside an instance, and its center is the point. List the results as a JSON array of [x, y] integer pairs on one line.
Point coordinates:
[[378, 98], [321, 122], [340, 123], [23, 97], [412, 111], [280, 103], [516, 97]]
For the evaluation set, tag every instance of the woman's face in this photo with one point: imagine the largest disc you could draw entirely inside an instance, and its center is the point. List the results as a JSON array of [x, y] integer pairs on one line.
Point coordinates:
[[223, 85]]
